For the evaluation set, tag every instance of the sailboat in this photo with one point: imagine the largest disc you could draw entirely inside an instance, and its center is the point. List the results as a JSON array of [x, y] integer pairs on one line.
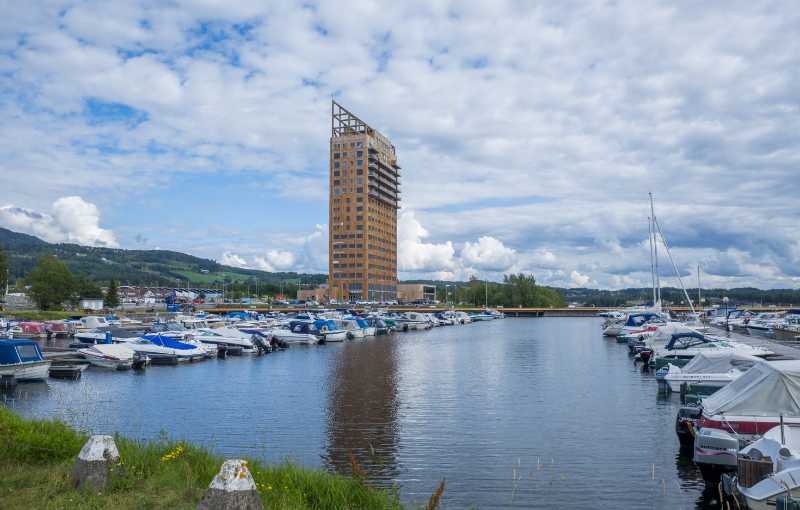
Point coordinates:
[[637, 320]]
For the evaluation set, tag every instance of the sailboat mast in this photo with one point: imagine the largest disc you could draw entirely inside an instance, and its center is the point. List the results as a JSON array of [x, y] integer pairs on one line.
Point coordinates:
[[674, 267], [655, 248], [652, 271], [699, 303]]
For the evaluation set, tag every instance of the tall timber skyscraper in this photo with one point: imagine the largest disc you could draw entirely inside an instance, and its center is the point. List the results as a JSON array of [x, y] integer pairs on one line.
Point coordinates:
[[364, 198]]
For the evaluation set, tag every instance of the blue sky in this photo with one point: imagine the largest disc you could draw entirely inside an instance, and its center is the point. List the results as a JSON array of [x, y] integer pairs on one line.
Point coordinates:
[[529, 133]]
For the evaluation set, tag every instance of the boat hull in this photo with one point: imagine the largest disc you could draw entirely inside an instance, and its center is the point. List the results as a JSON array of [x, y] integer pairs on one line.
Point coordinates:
[[31, 371], [338, 336]]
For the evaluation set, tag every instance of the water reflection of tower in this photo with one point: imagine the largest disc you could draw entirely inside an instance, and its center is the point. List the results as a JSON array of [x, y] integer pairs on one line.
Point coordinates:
[[362, 409]]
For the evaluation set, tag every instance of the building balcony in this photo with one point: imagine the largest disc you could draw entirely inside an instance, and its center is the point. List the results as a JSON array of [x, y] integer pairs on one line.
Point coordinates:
[[382, 179]]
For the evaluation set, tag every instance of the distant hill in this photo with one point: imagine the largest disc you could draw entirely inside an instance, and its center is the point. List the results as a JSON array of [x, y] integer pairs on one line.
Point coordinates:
[[135, 267], [737, 296]]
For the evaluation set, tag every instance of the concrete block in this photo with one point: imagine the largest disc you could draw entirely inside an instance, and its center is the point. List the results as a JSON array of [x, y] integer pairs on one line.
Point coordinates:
[[232, 489], [93, 466]]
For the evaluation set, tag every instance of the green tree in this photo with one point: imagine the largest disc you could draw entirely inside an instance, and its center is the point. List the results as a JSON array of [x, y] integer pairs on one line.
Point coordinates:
[[86, 288], [112, 295], [51, 283]]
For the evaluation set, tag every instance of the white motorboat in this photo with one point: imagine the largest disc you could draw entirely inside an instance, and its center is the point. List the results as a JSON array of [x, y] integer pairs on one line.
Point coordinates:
[[162, 345], [92, 322], [462, 317], [301, 332], [779, 446], [112, 356], [23, 359], [712, 369], [228, 337], [353, 329], [685, 345], [744, 410], [477, 317]]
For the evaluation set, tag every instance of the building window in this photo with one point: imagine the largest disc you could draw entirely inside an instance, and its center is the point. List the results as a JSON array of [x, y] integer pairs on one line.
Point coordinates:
[[335, 164], [359, 154], [336, 155], [359, 162], [337, 173]]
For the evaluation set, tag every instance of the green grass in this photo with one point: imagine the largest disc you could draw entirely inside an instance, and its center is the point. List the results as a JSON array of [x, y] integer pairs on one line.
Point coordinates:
[[36, 456], [38, 315]]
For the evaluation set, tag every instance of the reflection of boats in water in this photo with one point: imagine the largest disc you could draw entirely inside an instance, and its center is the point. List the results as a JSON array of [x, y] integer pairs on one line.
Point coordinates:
[[690, 479]]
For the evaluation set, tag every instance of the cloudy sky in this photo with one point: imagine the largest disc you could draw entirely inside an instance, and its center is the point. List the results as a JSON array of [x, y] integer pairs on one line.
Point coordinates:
[[529, 132]]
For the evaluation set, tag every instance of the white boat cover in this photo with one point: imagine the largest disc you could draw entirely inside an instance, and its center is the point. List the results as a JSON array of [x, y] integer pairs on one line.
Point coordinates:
[[118, 351], [770, 388], [663, 334], [719, 362]]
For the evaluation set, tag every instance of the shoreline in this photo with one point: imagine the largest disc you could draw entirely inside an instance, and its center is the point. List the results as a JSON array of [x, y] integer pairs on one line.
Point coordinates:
[[36, 457]]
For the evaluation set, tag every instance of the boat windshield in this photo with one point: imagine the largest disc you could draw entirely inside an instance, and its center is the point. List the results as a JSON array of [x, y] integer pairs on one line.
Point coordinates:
[[27, 352]]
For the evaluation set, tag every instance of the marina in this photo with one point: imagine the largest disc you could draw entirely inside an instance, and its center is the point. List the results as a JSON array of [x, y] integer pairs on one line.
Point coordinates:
[[554, 410]]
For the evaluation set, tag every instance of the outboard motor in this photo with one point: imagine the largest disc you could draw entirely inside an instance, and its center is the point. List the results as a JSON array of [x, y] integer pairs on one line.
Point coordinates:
[[715, 452], [686, 423], [260, 345]]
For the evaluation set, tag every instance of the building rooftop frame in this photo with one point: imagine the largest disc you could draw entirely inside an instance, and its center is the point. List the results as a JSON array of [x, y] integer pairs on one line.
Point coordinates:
[[344, 123]]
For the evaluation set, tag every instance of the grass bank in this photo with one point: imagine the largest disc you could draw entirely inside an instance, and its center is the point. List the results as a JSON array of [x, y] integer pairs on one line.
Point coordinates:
[[39, 315], [36, 456]]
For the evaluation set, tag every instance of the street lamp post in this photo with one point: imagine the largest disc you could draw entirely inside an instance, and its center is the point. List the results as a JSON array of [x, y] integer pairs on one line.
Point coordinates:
[[727, 314]]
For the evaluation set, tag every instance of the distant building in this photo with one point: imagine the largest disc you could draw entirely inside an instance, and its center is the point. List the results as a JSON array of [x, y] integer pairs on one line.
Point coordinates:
[[94, 304], [17, 300], [363, 203], [319, 294], [416, 293]]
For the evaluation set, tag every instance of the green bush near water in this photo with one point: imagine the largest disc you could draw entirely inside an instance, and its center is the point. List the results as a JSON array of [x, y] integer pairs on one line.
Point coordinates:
[[36, 457]]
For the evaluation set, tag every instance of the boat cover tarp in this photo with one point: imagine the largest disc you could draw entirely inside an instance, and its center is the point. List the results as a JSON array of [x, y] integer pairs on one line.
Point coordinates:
[[665, 333], [639, 318], [686, 340], [327, 323], [113, 350], [19, 351], [719, 362], [165, 341], [767, 389]]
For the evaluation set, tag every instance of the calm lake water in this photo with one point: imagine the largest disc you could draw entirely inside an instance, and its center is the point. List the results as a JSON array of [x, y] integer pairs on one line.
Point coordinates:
[[515, 413]]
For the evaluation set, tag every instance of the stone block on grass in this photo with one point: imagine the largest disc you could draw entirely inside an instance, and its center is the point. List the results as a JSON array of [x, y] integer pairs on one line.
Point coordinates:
[[232, 489], [93, 466]]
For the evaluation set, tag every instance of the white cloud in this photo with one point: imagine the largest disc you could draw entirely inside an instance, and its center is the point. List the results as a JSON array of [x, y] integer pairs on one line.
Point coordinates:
[[246, 88], [488, 254], [579, 280], [276, 260], [415, 255], [233, 260], [304, 254], [72, 220]]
